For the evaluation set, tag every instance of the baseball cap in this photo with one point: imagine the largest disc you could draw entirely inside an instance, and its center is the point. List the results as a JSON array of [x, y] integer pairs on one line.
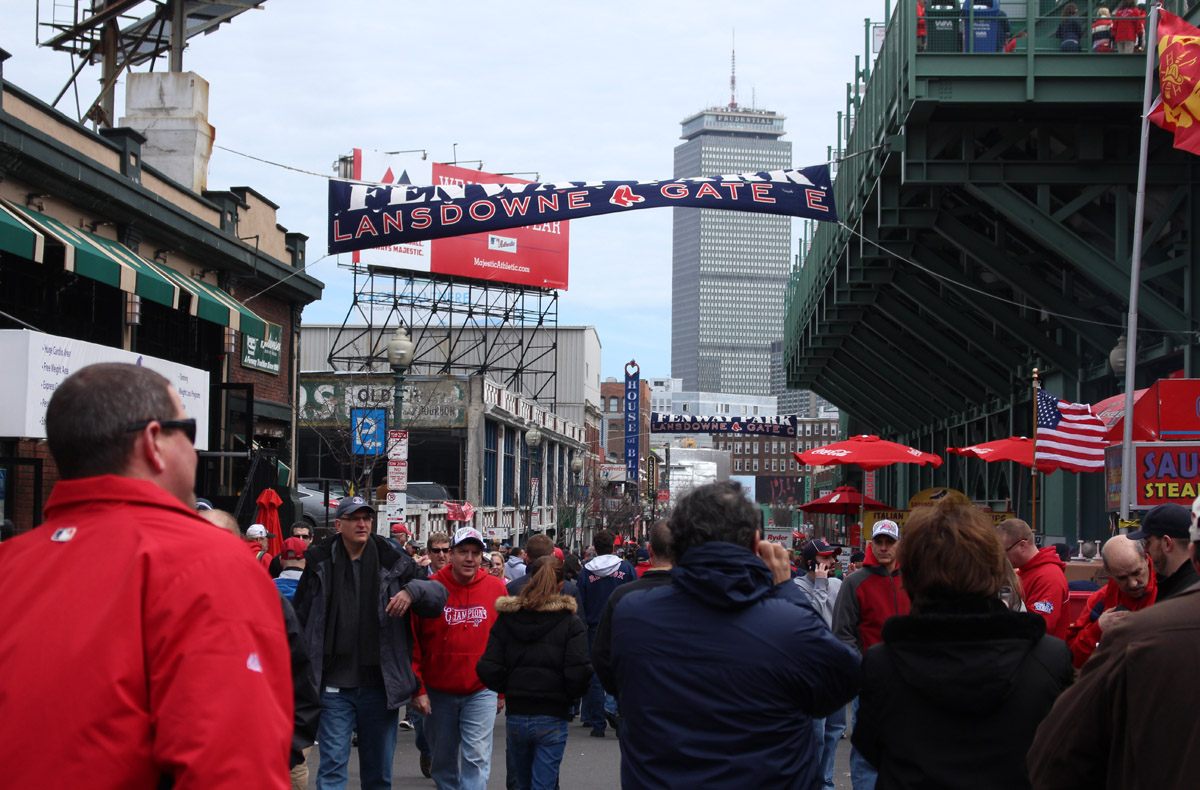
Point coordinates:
[[202, 504], [643, 555], [258, 531], [465, 534], [351, 504], [816, 548], [400, 529], [885, 527], [1169, 519], [293, 549]]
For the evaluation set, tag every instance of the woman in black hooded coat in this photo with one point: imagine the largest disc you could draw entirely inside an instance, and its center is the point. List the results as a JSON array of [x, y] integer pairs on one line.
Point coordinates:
[[953, 695]]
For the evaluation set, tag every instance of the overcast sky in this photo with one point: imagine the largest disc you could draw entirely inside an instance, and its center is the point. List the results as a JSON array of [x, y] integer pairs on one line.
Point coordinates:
[[570, 90]]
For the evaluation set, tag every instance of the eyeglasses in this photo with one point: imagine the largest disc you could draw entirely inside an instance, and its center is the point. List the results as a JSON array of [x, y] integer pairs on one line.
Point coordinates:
[[438, 551], [353, 518], [1010, 548], [188, 426]]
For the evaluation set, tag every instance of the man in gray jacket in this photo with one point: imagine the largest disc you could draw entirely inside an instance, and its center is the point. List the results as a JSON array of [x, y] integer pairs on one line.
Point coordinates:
[[353, 601], [821, 587]]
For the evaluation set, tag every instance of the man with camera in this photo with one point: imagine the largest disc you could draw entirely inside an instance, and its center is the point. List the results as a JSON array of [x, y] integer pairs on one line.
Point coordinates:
[[818, 559]]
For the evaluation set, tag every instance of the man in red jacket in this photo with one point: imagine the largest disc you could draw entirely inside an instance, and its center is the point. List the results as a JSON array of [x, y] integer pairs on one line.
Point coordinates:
[[140, 642], [1043, 581], [869, 596], [461, 711], [1131, 587]]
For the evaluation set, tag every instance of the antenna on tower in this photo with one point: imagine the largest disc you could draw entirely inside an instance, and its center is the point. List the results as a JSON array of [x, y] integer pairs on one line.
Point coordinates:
[[733, 71]]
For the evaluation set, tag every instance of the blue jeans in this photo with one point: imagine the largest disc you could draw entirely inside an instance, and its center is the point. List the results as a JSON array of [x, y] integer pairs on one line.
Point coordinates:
[[862, 773], [365, 711], [827, 732], [537, 744], [459, 726], [418, 721]]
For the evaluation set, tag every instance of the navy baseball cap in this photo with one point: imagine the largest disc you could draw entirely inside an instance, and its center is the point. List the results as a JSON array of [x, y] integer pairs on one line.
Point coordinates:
[[1168, 519], [816, 548], [352, 504]]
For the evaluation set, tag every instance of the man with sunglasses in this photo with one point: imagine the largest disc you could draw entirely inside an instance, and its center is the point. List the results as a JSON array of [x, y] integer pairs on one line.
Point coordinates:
[[125, 680], [353, 601], [1043, 579]]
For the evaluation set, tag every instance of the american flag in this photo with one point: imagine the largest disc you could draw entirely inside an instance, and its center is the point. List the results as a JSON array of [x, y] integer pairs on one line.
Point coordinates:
[[1069, 436]]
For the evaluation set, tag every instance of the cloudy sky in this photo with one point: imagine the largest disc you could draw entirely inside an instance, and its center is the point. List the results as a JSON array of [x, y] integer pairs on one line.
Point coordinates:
[[570, 90]]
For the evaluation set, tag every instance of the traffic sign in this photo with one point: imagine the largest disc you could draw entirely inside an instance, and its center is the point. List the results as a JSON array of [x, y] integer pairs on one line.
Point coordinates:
[[397, 475], [395, 511], [664, 495], [397, 445]]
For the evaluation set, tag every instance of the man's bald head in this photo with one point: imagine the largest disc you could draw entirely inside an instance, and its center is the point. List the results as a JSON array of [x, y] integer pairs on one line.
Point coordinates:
[[1125, 561], [223, 519]]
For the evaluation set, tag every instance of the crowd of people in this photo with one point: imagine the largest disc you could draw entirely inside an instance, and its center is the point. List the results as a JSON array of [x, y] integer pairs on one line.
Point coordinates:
[[189, 662]]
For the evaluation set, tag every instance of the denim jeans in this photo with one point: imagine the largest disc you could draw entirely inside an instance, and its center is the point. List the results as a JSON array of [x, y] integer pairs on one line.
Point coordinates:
[[536, 744], [459, 728], [862, 773], [365, 711], [827, 732], [595, 701]]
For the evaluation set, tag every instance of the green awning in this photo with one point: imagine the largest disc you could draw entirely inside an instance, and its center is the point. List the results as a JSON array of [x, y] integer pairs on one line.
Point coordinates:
[[103, 260], [18, 237], [212, 304]]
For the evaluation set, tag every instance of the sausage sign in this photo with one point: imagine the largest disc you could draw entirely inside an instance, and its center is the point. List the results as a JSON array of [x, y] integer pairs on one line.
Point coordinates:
[[364, 215]]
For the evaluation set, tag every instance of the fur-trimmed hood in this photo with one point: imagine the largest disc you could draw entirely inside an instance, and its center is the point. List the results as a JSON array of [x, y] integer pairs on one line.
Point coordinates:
[[510, 604]]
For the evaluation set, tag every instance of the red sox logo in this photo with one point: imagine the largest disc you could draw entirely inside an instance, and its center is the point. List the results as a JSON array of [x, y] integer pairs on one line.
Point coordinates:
[[624, 197]]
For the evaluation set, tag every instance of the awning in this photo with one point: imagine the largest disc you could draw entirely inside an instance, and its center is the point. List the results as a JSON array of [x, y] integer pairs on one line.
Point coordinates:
[[18, 237], [112, 263], [103, 260], [212, 304]]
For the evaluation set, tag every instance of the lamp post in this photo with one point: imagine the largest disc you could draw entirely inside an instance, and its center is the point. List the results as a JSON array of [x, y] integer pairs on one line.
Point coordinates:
[[533, 440], [576, 468], [400, 354]]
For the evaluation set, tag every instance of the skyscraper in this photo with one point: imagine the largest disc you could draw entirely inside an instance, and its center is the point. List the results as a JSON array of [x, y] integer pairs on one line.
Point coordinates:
[[729, 269]]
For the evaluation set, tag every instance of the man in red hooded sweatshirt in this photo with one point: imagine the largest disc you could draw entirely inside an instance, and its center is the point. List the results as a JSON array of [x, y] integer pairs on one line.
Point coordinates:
[[461, 711], [1043, 581], [1131, 587]]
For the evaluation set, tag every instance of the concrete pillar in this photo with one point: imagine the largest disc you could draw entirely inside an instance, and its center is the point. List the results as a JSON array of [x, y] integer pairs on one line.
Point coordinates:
[[171, 110]]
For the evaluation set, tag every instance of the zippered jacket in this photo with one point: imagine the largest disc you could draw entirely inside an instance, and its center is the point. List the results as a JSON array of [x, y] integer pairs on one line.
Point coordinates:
[[868, 597]]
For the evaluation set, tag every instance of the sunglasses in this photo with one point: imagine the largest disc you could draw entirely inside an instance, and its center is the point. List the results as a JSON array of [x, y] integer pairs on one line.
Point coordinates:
[[438, 551], [188, 426]]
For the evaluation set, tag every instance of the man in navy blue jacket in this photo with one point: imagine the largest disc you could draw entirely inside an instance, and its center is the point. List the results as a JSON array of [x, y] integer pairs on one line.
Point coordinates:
[[730, 622], [599, 577]]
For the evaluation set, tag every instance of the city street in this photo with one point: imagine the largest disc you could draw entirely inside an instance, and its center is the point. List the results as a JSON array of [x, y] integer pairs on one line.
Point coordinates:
[[589, 763]]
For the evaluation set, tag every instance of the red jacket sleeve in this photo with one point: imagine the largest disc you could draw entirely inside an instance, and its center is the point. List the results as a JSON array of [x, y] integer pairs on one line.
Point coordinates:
[[1084, 634], [219, 668]]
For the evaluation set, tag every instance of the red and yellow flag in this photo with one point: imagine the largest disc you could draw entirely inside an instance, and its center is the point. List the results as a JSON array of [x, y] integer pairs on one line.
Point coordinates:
[[1178, 108]]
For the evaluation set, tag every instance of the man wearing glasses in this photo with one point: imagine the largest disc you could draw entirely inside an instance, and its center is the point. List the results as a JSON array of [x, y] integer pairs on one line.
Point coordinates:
[[1043, 580], [353, 601], [125, 683]]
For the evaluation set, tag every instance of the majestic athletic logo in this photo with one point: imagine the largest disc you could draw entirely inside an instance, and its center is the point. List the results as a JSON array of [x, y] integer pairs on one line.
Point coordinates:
[[461, 615], [624, 197]]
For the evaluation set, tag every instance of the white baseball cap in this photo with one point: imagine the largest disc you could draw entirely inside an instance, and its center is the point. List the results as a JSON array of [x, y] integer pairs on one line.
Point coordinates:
[[885, 526]]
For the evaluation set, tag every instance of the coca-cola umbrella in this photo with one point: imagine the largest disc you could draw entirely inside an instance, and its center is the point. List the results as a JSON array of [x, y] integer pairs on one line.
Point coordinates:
[[843, 501], [1014, 448], [868, 452]]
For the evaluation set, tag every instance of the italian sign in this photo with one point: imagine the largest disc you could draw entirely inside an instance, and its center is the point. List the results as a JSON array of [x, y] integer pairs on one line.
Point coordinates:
[[366, 215]]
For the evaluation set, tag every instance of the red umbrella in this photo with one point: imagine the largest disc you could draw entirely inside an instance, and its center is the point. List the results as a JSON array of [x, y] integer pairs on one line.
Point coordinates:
[[845, 500], [1014, 448], [867, 452], [268, 515]]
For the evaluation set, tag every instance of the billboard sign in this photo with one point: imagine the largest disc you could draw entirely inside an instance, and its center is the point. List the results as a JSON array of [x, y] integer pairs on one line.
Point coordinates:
[[782, 425], [535, 255], [1163, 472]]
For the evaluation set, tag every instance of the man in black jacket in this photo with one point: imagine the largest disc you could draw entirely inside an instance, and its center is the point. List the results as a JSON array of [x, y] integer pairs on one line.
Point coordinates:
[[1165, 532], [353, 603]]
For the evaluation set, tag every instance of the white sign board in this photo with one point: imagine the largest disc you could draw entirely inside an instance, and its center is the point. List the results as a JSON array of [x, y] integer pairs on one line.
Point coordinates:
[[496, 533], [782, 536], [397, 475], [612, 473], [397, 445], [35, 363]]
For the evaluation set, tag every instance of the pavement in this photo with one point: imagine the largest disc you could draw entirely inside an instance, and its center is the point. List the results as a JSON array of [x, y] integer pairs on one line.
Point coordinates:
[[588, 763]]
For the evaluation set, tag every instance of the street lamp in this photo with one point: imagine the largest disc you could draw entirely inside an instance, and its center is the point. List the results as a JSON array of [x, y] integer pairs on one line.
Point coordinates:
[[400, 354], [576, 468], [533, 440]]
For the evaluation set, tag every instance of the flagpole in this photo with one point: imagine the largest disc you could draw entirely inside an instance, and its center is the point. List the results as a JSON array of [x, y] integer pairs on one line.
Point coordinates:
[[1135, 274], [1033, 469]]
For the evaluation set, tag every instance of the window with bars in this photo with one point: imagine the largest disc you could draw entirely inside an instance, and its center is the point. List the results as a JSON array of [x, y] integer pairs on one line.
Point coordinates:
[[490, 440], [510, 437]]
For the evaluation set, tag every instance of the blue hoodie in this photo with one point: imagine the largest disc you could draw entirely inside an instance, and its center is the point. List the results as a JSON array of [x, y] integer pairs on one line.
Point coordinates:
[[720, 674], [599, 577]]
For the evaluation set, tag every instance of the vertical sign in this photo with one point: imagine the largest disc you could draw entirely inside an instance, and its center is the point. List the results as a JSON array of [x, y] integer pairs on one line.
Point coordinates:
[[633, 423], [868, 484]]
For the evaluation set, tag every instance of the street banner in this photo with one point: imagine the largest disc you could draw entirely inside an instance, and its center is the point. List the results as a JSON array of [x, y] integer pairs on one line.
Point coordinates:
[[661, 422], [1178, 107], [366, 215], [633, 423]]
